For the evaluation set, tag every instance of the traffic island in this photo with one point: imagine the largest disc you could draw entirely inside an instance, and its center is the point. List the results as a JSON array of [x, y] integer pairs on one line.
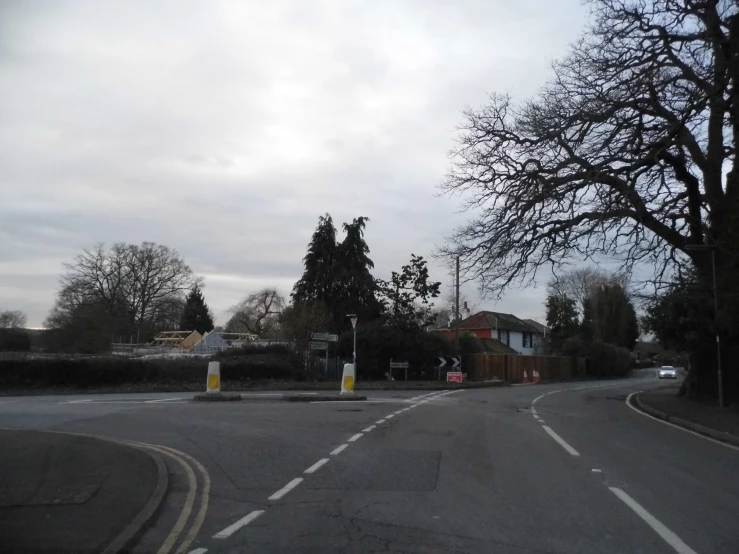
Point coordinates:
[[322, 398], [216, 397], [72, 493]]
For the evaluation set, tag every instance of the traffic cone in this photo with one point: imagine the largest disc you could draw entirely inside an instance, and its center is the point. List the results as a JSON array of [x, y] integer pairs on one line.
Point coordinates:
[[536, 377], [525, 377]]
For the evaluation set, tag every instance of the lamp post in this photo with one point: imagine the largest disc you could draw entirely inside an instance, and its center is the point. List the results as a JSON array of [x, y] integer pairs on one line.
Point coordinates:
[[353, 318], [712, 249]]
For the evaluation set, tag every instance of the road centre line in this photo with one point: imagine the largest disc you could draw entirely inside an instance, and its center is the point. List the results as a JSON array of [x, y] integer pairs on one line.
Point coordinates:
[[286, 489], [318, 465], [668, 536], [231, 529], [379, 421], [198, 551], [389, 416], [338, 450], [560, 440], [368, 429], [638, 411], [356, 437]]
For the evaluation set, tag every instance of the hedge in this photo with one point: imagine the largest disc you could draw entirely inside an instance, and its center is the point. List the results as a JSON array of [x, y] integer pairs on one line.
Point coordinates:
[[93, 372]]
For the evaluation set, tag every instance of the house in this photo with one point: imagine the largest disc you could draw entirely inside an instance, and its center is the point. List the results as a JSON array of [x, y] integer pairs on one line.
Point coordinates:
[[511, 331], [237, 340], [176, 339], [211, 343]]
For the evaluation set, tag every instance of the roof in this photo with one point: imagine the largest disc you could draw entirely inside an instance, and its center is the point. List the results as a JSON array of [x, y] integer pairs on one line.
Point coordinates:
[[495, 346], [210, 340], [543, 329], [496, 320]]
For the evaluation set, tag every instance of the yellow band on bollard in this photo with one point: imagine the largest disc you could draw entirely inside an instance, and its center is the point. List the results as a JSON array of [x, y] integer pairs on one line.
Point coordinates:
[[212, 381], [348, 383]]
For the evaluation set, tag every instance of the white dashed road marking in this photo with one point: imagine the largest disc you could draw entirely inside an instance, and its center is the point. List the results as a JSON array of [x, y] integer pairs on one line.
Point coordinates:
[[669, 537], [356, 437], [315, 467], [560, 440], [338, 449], [368, 429], [286, 489], [231, 529]]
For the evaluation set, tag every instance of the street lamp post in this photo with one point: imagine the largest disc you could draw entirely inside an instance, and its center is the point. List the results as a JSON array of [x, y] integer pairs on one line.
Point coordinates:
[[712, 249], [353, 318]]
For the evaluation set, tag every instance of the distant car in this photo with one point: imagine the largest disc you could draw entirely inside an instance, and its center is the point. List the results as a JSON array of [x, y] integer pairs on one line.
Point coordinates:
[[667, 372]]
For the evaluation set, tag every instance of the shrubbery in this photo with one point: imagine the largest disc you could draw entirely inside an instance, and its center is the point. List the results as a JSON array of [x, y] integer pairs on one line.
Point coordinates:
[[14, 340], [377, 343], [603, 359], [95, 372]]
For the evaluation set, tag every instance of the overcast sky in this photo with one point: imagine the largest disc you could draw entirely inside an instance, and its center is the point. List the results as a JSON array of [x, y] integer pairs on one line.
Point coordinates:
[[224, 129]]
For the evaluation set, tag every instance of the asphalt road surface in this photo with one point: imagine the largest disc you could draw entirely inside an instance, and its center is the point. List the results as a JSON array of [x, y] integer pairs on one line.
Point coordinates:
[[555, 468]]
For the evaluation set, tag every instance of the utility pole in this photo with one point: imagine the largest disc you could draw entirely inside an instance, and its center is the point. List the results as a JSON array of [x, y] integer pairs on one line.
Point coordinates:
[[456, 312]]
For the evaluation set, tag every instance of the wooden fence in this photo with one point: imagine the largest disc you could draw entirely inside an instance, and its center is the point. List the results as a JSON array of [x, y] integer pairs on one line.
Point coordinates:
[[511, 367]]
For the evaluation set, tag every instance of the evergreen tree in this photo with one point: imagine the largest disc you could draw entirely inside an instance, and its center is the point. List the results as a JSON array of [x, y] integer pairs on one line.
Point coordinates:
[[357, 288], [319, 278], [561, 319], [611, 315], [196, 315]]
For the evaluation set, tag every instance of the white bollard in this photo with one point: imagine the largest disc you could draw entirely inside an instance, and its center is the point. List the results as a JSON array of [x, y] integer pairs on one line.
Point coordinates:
[[213, 383], [347, 379]]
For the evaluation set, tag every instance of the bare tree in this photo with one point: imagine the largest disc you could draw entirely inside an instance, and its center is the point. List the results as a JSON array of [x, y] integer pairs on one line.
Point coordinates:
[[258, 313], [139, 286], [12, 319], [627, 152], [580, 283]]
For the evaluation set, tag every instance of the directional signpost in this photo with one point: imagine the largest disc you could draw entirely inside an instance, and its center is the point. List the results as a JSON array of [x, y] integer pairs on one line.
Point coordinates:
[[399, 365], [320, 342], [324, 336]]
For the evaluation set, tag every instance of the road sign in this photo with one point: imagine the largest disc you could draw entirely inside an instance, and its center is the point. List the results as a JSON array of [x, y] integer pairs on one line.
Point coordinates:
[[318, 345], [399, 365], [324, 336], [454, 376], [447, 362]]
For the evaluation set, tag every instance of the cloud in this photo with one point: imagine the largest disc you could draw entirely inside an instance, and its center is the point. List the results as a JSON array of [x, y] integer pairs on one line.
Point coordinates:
[[224, 129]]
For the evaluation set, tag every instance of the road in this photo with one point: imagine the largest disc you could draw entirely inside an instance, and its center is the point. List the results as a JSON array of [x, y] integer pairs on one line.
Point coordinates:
[[555, 468]]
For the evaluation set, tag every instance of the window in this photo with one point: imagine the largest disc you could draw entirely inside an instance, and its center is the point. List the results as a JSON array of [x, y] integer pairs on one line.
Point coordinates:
[[526, 340]]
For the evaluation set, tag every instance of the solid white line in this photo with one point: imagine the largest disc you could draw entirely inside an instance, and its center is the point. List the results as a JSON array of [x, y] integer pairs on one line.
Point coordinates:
[[638, 411], [315, 467], [284, 490], [368, 429], [338, 450], [379, 421], [560, 440], [533, 411], [669, 537], [356, 437], [231, 529], [198, 551]]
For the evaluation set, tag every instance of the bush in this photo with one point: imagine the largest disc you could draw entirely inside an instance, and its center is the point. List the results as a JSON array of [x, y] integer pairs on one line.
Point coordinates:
[[607, 360], [95, 372], [14, 340], [377, 343]]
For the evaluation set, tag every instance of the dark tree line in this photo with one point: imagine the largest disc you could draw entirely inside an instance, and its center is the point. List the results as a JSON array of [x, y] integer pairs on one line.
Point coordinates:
[[628, 152]]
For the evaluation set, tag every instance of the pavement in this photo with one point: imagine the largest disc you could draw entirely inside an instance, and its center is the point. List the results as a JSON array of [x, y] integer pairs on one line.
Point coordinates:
[[53, 483], [549, 468], [696, 415]]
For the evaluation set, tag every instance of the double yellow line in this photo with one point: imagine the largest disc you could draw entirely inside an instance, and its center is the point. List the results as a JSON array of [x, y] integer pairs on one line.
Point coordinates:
[[187, 509], [187, 462]]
